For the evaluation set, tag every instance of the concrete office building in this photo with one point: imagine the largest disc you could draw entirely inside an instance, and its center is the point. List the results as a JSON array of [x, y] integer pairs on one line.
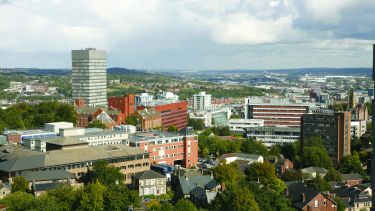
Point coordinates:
[[332, 127], [276, 111], [201, 101], [270, 136], [89, 76]]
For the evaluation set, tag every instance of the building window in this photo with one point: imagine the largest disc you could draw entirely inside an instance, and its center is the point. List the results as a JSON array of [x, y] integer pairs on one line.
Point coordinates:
[[316, 203]]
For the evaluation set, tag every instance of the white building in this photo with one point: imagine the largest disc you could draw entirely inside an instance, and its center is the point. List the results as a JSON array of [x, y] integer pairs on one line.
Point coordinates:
[[36, 145], [358, 128], [210, 118], [56, 126], [143, 99], [125, 128], [201, 101], [240, 125], [274, 135], [89, 76], [168, 96], [231, 157]]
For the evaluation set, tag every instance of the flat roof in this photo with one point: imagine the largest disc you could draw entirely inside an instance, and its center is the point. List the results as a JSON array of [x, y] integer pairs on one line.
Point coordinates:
[[69, 156], [278, 129], [149, 136]]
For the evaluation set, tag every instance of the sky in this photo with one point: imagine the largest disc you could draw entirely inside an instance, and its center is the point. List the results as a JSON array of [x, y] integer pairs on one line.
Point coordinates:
[[189, 34]]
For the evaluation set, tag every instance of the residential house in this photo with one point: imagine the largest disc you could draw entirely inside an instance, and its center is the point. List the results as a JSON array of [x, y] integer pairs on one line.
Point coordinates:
[[149, 183], [281, 164], [313, 172], [304, 198], [5, 189], [352, 179], [231, 157], [354, 198], [201, 189]]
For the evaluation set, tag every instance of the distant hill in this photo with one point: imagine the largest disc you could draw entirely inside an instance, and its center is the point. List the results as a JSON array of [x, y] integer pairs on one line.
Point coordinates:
[[120, 70], [303, 71]]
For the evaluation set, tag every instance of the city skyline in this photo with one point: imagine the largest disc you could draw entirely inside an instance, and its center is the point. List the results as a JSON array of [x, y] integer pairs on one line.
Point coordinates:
[[189, 35]]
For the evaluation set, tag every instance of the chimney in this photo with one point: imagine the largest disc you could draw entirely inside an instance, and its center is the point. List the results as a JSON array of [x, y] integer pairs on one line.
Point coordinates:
[[303, 197], [212, 175]]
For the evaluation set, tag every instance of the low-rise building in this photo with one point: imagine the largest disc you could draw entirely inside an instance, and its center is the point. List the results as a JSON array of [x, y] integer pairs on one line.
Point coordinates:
[[313, 172], [232, 157], [149, 183], [281, 164], [56, 126], [270, 136], [76, 160], [304, 198], [358, 128], [353, 198], [352, 179], [213, 117], [149, 119], [5, 189], [242, 125], [168, 148]]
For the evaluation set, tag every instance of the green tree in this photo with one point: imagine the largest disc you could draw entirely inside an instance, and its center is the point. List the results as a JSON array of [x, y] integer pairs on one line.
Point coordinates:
[[105, 174], [266, 175], [319, 184], [97, 124], [290, 150], [291, 175], [240, 199], [355, 144], [132, 120], [350, 164], [250, 146], [275, 151], [333, 175], [184, 204], [173, 129], [66, 196], [228, 173], [20, 184], [18, 201], [235, 116], [316, 156], [118, 197], [92, 197], [197, 124]]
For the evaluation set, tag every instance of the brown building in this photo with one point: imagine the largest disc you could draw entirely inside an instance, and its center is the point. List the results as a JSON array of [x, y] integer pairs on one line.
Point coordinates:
[[149, 119], [360, 112], [332, 127], [172, 114], [304, 198], [125, 104], [86, 114], [281, 164]]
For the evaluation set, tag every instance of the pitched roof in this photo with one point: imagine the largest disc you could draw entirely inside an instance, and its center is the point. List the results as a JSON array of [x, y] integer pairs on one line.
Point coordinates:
[[149, 174], [313, 169], [211, 185], [48, 175], [346, 177], [149, 113], [189, 183], [295, 191], [198, 192]]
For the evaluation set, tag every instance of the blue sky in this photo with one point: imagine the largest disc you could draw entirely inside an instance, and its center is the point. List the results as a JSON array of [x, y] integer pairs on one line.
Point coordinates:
[[189, 34]]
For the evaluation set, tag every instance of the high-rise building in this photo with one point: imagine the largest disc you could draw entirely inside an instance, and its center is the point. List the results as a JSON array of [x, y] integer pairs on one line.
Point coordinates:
[[89, 76], [201, 101], [332, 127]]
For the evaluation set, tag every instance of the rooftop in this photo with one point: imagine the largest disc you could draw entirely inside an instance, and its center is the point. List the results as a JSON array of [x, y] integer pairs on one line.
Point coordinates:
[[48, 175], [149, 174], [151, 136], [68, 156]]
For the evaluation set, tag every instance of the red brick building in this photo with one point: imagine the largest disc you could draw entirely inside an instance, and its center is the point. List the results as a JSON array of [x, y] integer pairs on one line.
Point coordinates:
[[304, 198], [149, 119], [172, 114], [85, 115], [125, 104], [169, 148]]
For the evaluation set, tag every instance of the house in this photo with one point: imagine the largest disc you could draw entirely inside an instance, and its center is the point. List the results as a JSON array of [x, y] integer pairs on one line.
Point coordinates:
[[201, 189], [231, 157], [281, 164], [5, 189], [354, 198], [304, 198], [42, 181], [149, 183], [313, 172], [352, 179]]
